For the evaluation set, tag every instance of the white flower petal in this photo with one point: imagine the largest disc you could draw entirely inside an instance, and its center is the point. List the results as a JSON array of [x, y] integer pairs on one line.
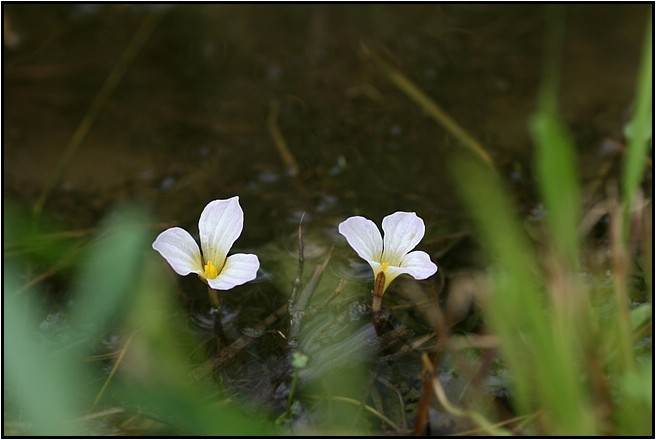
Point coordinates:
[[377, 267], [418, 265], [402, 232], [220, 224], [391, 273], [238, 269], [364, 237], [179, 248]]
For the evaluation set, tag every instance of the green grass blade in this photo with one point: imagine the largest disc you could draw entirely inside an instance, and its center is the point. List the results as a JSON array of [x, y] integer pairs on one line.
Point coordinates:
[[558, 182], [555, 160], [640, 128], [109, 272], [43, 387], [544, 366]]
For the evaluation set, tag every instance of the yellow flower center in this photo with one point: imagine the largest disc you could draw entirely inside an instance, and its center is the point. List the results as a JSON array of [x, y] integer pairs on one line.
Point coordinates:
[[384, 266], [211, 271]]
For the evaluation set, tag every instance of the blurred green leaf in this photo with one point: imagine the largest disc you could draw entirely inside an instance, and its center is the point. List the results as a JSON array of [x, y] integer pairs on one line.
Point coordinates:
[[39, 239], [43, 386], [635, 411], [555, 160], [543, 364], [640, 316], [558, 181], [517, 306], [110, 271], [189, 412], [638, 384], [48, 384], [641, 125]]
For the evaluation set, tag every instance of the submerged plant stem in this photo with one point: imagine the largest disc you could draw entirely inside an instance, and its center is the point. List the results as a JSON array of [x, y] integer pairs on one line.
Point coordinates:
[[213, 295], [279, 141], [427, 104], [297, 306], [367, 408], [235, 347], [290, 399], [215, 302], [117, 364], [113, 79], [477, 418]]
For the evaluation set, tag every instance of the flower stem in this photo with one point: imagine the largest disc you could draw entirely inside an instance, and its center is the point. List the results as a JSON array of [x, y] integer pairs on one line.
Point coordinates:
[[214, 298], [379, 287], [376, 303], [221, 340]]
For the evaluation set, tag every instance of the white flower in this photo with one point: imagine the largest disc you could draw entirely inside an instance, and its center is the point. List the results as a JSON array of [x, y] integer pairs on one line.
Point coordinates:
[[220, 224], [390, 255]]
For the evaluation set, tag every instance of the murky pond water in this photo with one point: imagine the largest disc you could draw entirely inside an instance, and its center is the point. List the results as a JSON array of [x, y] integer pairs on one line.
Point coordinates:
[[201, 110]]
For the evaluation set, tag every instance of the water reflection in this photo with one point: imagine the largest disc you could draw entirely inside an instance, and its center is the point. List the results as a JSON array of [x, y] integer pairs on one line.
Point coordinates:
[[204, 116]]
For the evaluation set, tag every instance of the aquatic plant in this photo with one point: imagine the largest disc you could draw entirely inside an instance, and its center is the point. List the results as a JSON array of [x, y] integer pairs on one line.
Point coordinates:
[[220, 224], [390, 256]]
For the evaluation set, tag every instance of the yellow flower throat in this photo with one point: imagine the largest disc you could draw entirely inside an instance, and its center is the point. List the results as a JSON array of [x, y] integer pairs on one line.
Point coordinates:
[[384, 266], [211, 271]]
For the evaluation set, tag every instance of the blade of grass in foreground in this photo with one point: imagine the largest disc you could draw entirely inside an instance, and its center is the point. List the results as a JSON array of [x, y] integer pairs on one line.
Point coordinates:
[[41, 387], [46, 380], [640, 128], [555, 160], [105, 283], [544, 370]]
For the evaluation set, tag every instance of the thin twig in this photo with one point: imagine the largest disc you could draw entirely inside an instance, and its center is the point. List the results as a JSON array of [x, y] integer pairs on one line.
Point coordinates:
[[524, 419], [280, 143], [104, 413], [474, 341], [427, 104], [367, 408], [297, 285], [424, 405], [297, 310], [341, 285], [298, 281], [401, 402], [60, 265], [475, 417], [103, 357], [231, 350], [442, 331], [117, 364]]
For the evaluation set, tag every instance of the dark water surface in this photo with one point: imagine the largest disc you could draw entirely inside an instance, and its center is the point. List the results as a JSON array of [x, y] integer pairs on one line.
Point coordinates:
[[190, 119]]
